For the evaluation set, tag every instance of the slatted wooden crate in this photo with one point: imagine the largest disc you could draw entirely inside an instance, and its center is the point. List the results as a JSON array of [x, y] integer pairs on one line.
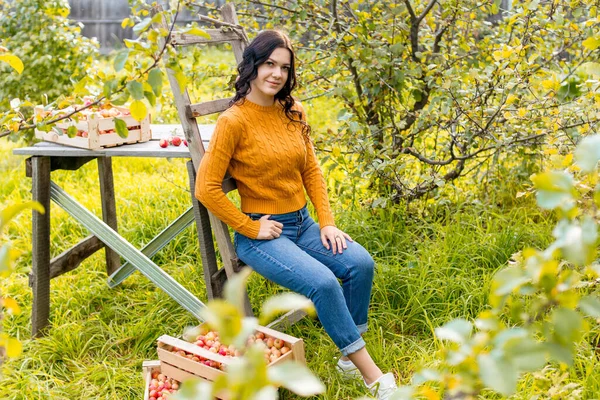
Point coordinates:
[[149, 368], [171, 361], [98, 131]]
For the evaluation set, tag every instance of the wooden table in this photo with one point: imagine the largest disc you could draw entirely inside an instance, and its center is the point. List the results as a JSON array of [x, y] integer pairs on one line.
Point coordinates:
[[47, 157]]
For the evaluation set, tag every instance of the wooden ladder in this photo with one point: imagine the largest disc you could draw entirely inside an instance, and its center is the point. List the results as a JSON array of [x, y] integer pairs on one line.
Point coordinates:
[[226, 31]]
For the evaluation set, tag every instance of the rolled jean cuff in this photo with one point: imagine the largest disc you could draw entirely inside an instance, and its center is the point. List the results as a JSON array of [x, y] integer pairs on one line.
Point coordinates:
[[353, 347], [362, 328]]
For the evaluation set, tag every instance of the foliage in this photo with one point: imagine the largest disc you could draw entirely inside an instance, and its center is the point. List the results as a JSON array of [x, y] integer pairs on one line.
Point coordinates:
[[248, 376], [434, 91], [54, 54], [9, 346], [541, 305]]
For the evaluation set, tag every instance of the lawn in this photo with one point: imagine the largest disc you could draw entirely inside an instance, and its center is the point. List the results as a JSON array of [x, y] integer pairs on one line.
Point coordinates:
[[434, 263]]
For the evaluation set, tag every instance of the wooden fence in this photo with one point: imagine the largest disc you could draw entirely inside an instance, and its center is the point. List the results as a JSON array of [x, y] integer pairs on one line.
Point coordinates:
[[102, 19]]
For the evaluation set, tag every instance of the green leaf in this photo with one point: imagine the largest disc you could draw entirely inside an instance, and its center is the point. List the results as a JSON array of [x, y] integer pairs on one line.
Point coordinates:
[[508, 279], [14, 61], [150, 97], [142, 26], [136, 89], [576, 241], [497, 373], [109, 87], [155, 80], [559, 352], [587, 153], [121, 128], [554, 189], [283, 303], [568, 325], [72, 131], [235, 288], [526, 354], [458, 331], [590, 305], [9, 212], [296, 378], [138, 110], [591, 43], [5, 259], [266, 393], [121, 59]]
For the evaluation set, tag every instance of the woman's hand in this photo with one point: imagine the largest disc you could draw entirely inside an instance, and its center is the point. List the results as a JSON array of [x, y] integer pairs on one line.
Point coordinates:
[[269, 229], [337, 238]]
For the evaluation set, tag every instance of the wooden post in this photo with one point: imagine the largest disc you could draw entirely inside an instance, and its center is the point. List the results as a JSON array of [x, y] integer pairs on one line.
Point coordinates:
[[109, 208], [40, 275]]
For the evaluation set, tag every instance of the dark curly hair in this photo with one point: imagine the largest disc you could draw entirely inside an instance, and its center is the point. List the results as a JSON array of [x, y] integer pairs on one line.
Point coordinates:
[[256, 54]]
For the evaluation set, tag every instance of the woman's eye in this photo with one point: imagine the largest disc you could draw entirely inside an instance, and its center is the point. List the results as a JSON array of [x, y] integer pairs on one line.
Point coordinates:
[[269, 63], [286, 68]]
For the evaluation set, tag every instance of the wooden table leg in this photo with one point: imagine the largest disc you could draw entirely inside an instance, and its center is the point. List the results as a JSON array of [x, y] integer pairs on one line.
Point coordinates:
[[109, 209], [40, 276]]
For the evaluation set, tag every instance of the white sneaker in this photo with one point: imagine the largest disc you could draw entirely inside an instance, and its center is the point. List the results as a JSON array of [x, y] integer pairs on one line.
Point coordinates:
[[348, 370], [383, 387]]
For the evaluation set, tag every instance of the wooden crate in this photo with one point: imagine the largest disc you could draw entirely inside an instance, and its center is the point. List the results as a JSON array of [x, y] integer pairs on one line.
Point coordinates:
[[148, 368], [166, 344], [94, 125]]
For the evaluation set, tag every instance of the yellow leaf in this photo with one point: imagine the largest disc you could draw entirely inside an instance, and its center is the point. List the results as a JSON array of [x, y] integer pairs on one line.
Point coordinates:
[[591, 43], [551, 84], [13, 61], [11, 305], [522, 112], [511, 99], [197, 32], [125, 23], [568, 160], [13, 346], [336, 151], [138, 109]]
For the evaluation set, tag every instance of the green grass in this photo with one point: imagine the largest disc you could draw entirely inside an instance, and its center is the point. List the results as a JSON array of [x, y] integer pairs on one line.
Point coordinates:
[[429, 270], [434, 263]]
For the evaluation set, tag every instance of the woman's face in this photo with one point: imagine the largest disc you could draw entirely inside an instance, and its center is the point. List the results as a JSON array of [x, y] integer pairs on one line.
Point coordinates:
[[271, 77]]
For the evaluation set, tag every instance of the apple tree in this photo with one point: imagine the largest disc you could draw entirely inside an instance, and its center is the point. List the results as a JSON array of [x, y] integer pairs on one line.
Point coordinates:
[[438, 90]]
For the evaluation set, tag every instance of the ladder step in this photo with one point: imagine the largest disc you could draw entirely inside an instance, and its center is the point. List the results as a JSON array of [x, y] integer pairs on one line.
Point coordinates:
[[126, 250], [208, 107], [216, 36]]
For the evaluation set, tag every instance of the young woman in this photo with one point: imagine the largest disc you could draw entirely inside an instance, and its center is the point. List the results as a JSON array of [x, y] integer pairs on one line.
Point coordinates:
[[263, 141]]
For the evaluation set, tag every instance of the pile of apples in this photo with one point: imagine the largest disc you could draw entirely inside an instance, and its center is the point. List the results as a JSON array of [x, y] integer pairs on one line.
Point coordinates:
[[161, 387], [273, 348]]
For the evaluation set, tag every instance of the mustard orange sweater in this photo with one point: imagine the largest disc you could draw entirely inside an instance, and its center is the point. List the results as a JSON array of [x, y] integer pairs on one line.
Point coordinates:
[[271, 161]]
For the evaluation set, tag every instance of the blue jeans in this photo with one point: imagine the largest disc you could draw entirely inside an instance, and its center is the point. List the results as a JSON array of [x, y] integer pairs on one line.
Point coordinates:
[[298, 261]]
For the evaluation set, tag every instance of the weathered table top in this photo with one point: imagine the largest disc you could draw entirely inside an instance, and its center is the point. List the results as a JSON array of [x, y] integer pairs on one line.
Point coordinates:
[[147, 149]]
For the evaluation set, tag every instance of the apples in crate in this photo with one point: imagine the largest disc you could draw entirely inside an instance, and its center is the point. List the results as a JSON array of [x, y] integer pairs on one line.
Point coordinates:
[[208, 358], [95, 127], [158, 385]]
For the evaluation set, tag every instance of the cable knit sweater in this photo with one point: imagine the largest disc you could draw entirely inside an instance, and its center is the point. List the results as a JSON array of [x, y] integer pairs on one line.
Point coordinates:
[[271, 161]]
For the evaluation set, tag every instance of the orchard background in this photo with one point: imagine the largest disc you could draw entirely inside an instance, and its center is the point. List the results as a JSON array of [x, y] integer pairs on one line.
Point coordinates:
[[448, 132]]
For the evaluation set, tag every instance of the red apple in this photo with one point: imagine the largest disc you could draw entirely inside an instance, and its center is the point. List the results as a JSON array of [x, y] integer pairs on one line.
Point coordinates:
[[163, 143], [176, 141]]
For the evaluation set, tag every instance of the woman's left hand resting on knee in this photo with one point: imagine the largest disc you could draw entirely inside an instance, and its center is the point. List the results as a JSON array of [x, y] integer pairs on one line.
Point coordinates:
[[335, 236]]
